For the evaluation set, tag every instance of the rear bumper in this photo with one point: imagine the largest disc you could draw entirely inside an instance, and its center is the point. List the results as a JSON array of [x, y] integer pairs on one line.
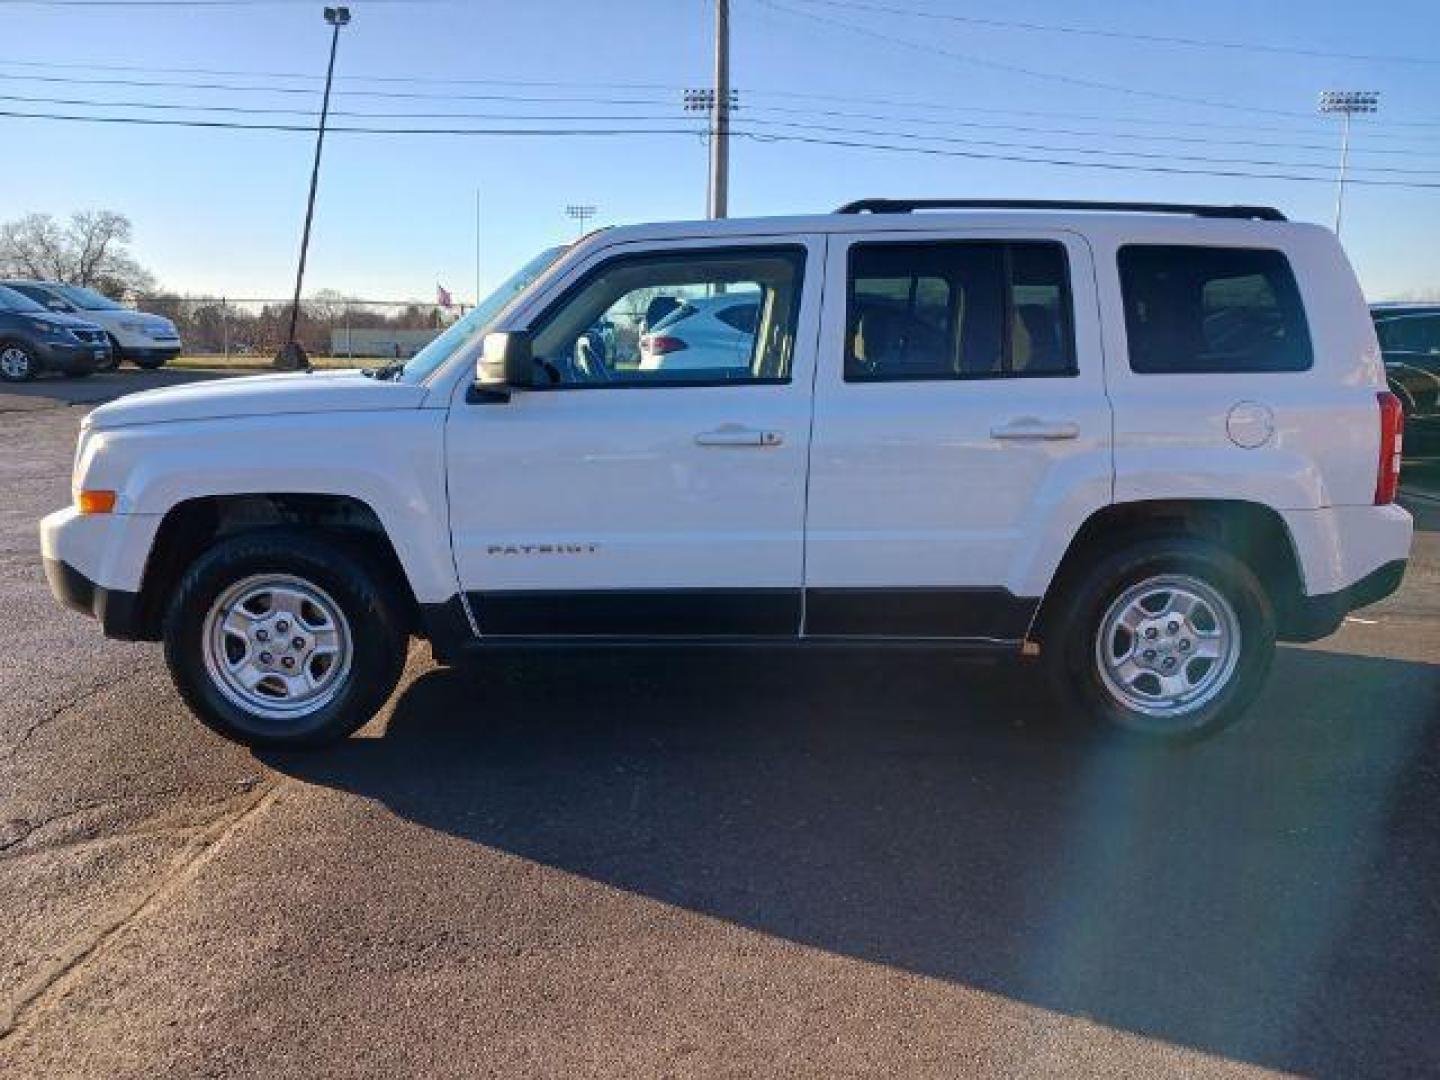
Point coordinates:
[[117, 610], [1315, 617]]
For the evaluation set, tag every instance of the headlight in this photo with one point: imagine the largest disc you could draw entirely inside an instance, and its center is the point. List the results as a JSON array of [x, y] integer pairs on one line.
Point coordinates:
[[47, 327], [135, 326]]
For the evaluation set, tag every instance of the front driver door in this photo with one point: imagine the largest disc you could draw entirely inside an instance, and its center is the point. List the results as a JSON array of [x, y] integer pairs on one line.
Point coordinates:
[[612, 501]]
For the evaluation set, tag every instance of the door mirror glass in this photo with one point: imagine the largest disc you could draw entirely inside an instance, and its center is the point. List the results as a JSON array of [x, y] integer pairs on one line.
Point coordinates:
[[506, 362]]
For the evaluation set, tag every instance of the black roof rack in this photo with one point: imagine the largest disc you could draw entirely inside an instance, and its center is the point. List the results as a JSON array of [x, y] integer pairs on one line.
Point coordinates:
[[905, 206]]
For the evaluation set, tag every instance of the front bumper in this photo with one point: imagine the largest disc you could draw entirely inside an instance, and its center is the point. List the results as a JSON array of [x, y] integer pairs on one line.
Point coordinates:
[[117, 610], [149, 352], [95, 563], [72, 355]]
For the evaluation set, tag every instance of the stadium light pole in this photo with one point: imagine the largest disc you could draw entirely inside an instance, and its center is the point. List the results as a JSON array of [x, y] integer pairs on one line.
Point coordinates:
[[581, 212], [292, 354], [1346, 103]]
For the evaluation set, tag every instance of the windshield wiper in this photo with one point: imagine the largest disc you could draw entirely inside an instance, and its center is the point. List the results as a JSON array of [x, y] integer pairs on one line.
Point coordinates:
[[385, 371]]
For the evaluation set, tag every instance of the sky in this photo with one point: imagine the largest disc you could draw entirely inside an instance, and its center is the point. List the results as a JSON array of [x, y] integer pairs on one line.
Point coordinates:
[[219, 211]]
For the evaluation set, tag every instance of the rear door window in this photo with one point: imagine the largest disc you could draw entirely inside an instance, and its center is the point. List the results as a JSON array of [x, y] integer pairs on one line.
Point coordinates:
[[958, 310], [1197, 310]]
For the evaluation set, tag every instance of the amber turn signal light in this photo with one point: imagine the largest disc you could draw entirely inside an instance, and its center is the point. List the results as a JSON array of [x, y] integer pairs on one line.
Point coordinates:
[[95, 502]]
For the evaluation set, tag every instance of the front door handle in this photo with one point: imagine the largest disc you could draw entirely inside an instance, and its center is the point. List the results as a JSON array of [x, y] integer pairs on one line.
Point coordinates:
[[1030, 427], [739, 435]]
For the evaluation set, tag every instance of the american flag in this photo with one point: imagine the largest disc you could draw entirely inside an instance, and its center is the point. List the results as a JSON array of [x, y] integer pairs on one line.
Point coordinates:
[[442, 296]]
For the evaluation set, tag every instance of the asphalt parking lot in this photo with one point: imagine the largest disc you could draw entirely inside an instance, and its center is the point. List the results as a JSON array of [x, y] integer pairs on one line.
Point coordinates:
[[693, 864]]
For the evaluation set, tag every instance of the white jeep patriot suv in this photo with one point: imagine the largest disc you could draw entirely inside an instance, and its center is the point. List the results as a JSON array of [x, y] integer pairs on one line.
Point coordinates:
[[1141, 442]]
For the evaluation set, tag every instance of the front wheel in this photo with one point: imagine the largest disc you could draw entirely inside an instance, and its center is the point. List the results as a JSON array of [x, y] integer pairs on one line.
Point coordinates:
[[150, 363], [1169, 638], [17, 364], [279, 639]]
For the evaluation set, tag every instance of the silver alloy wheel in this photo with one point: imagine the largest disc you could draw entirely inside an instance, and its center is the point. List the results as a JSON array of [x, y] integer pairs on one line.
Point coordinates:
[[15, 362], [277, 646], [1167, 646]]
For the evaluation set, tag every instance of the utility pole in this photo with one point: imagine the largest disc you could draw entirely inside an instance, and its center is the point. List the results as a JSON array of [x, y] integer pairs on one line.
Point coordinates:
[[720, 117], [581, 212], [1347, 103], [292, 354]]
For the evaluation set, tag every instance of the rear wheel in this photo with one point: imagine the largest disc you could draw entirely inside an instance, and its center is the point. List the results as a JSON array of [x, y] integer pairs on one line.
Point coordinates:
[[277, 639], [1169, 638], [17, 363], [150, 363]]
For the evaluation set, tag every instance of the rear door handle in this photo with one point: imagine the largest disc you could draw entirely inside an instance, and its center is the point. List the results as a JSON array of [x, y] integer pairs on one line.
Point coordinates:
[[739, 435], [1030, 427]]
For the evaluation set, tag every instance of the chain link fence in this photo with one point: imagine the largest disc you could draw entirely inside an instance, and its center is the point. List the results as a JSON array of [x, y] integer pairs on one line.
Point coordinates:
[[339, 328]]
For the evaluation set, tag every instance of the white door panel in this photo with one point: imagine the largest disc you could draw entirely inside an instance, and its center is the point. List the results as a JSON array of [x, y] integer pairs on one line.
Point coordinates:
[[640, 509], [927, 496]]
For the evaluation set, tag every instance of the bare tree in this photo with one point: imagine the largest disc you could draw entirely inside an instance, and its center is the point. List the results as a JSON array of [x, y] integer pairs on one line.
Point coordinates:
[[91, 249]]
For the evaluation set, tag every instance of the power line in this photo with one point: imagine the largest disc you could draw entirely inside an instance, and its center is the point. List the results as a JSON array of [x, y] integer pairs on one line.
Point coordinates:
[[1055, 76], [1082, 132], [192, 3], [240, 110], [311, 76], [1016, 69], [762, 137], [1141, 154], [1070, 163], [403, 95], [1154, 39], [909, 105]]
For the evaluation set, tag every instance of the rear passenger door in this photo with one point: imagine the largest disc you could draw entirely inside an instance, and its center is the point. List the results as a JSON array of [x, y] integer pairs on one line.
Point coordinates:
[[961, 431]]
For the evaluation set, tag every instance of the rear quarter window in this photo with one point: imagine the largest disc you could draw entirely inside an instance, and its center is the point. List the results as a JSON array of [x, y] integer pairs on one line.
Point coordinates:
[[1209, 310]]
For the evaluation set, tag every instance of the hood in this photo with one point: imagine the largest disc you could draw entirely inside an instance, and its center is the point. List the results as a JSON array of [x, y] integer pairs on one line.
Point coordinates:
[[258, 395], [59, 318]]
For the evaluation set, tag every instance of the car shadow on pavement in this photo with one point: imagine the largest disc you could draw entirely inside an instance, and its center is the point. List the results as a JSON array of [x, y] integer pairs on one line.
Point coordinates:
[[1267, 896]]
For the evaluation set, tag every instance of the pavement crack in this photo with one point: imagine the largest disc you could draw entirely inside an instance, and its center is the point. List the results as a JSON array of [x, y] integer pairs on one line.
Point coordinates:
[[16, 830], [74, 702], [64, 968]]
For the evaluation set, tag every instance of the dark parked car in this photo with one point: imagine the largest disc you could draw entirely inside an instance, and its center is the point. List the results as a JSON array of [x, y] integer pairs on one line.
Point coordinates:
[[33, 340], [1410, 343]]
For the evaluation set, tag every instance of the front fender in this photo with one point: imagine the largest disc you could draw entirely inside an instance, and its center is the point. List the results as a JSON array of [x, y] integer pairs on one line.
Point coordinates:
[[392, 461]]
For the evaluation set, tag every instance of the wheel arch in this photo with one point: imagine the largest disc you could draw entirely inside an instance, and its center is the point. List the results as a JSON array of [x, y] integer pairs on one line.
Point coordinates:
[[192, 525], [1254, 532]]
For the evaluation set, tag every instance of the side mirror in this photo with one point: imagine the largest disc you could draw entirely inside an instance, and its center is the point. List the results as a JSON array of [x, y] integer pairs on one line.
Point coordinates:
[[506, 362]]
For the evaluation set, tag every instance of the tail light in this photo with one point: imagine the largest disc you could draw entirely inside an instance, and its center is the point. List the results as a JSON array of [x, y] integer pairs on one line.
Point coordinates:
[[660, 344], [1392, 439]]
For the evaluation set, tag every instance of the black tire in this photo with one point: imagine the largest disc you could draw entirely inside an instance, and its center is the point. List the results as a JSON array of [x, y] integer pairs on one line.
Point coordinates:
[[150, 363], [361, 590], [17, 363], [1073, 625]]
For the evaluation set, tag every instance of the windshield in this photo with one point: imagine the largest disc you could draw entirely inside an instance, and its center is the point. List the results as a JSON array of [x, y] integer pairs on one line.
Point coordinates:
[[10, 300], [89, 299], [472, 327]]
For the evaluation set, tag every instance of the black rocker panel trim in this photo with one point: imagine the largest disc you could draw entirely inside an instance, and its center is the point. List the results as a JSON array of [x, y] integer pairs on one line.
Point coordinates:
[[639, 612], [994, 614], [981, 614]]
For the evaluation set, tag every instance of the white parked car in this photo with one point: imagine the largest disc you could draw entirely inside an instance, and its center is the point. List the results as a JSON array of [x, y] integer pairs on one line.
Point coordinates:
[[147, 341], [1137, 444], [703, 333]]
